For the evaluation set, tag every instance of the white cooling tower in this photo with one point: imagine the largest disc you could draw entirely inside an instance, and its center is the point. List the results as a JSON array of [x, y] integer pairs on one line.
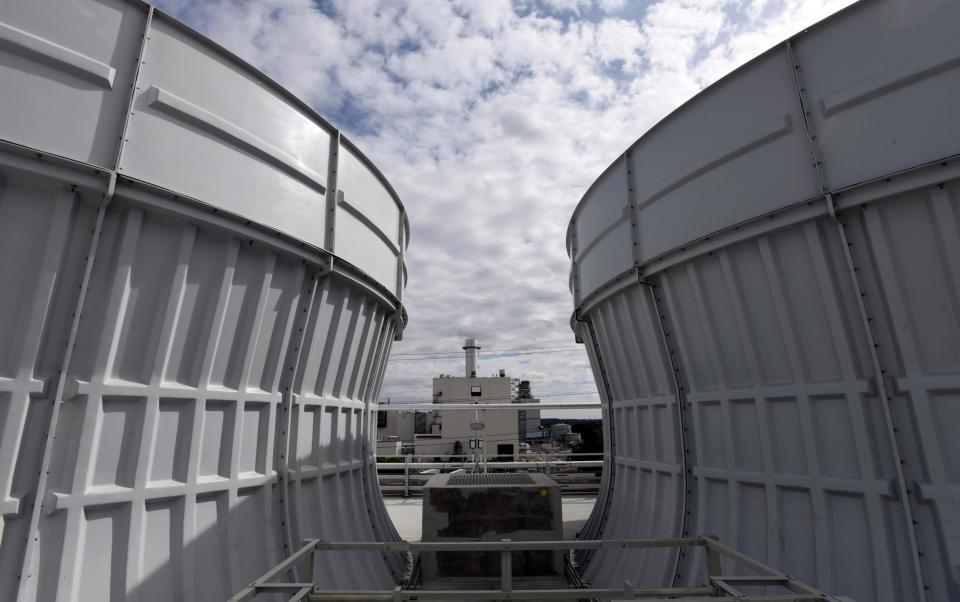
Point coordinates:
[[768, 285], [200, 280]]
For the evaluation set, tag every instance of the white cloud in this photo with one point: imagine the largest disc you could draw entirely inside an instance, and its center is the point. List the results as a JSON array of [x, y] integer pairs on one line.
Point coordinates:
[[488, 17], [567, 6], [612, 6], [491, 122]]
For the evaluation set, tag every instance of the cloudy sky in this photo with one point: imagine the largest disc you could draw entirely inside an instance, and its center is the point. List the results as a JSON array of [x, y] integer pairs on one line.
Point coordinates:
[[491, 119]]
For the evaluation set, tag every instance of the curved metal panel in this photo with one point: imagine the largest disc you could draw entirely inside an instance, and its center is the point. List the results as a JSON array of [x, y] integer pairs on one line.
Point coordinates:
[[700, 178], [240, 146], [594, 523], [65, 88], [648, 488], [877, 77], [794, 459], [814, 327], [162, 474], [609, 256], [907, 251], [371, 222], [347, 337], [597, 233], [44, 235], [187, 376], [365, 191], [602, 207], [874, 77], [220, 133], [790, 446], [363, 245]]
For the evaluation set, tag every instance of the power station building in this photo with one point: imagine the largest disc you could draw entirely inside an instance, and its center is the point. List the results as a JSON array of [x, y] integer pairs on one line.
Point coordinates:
[[487, 433], [492, 433]]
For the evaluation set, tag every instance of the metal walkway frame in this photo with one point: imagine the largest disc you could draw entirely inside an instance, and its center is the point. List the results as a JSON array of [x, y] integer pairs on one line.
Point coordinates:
[[720, 586]]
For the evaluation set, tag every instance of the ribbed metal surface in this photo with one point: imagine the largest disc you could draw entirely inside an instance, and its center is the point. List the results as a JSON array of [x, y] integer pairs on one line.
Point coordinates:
[[779, 347], [507, 478], [188, 360], [646, 500]]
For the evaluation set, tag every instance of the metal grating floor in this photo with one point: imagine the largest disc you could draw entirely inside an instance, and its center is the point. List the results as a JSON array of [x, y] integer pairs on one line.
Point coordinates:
[[507, 478]]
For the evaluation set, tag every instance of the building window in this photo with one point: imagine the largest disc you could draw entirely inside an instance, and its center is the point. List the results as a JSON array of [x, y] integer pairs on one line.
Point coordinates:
[[475, 391]]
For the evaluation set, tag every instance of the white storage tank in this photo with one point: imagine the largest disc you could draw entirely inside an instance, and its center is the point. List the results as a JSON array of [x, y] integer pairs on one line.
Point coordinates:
[[768, 285], [200, 281]]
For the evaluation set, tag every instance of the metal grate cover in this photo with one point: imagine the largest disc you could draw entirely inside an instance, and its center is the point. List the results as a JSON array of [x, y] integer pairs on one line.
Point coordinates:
[[507, 478]]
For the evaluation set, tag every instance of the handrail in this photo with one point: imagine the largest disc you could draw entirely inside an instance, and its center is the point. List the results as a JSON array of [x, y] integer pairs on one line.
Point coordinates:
[[465, 406], [394, 477], [719, 587]]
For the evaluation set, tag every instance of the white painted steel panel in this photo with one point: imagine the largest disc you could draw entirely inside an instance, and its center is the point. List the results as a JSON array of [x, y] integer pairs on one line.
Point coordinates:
[[892, 91], [220, 132], [185, 381], [592, 527], [240, 146], [717, 161], [344, 355], [603, 205], [162, 478], [44, 235], [791, 455], [66, 77], [368, 193], [609, 256], [792, 459], [907, 249], [598, 230], [720, 159], [643, 431], [816, 356], [364, 247]]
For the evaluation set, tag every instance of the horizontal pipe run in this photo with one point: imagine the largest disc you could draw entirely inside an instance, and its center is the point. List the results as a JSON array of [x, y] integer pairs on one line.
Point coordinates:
[[493, 465], [430, 407], [523, 457]]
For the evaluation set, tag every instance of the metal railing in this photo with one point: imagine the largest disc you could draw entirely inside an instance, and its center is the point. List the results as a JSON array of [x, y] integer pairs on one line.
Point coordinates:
[[488, 404], [404, 477], [718, 587]]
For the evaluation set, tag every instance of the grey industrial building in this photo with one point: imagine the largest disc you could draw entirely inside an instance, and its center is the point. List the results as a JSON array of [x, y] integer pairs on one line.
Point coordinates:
[[452, 433]]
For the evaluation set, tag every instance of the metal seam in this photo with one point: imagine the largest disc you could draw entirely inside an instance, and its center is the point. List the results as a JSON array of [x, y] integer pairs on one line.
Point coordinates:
[[287, 378], [632, 211], [38, 501], [865, 321], [688, 481], [611, 464], [56, 400]]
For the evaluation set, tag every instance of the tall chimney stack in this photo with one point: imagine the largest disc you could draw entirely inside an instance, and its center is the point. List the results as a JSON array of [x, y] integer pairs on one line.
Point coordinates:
[[471, 349]]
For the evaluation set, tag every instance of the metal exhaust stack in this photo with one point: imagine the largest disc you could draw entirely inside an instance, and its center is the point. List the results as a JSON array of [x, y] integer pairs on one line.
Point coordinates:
[[472, 352]]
